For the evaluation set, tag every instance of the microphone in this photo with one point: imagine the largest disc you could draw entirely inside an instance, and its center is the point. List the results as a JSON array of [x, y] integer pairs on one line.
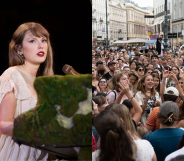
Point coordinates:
[[67, 69]]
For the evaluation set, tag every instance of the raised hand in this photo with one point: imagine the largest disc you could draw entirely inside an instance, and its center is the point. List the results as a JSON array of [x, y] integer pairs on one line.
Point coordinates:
[[157, 104], [173, 76], [124, 87], [165, 74]]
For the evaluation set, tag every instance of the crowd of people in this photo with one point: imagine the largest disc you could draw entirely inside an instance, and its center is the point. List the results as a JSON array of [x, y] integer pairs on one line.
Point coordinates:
[[137, 104]]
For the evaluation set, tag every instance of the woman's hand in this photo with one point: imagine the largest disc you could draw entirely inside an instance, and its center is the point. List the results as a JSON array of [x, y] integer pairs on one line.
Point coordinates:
[[124, 87], [173, 77], [165, 74]]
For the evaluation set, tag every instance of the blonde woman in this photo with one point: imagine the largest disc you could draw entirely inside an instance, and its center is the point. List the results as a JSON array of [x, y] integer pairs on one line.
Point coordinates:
[[30, 55], [133, 80]]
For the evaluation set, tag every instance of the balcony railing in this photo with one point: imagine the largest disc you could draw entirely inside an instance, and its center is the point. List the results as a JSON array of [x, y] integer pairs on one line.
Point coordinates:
[[93, 19], [162, 13], [101, 20]]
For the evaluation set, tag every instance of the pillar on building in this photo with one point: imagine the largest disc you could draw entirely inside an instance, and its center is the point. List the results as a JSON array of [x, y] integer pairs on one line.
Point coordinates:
[[160, 27]]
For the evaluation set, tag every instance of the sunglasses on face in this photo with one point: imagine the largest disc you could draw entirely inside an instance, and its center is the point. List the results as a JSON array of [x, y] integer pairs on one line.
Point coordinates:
[[180, 82], [141, 70], [103, 82]]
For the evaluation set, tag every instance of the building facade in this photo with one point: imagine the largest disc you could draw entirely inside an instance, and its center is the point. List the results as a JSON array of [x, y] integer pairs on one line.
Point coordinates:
[[99, 22], [117, 19], [178, 21], [136, 23], [159, 10]]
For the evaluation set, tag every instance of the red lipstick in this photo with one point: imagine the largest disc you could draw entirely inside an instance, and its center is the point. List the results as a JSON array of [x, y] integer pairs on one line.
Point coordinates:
[[40, 54]]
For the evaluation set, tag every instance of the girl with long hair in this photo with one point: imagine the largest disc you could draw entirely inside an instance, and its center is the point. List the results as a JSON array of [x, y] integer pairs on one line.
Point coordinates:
[[169, 81], [102, 84], [133, 80], [116, 144], [148, 70], [114, 84], [30, 55], [146, 96], [156, 80], [146, 61]]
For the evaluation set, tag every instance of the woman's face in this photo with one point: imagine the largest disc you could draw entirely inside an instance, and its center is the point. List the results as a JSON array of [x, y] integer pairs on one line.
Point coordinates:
[[132, 66], [175, 70], [132, 79], [104, 63], [93, 73], [34, 49], [148, 83], [124, 78], [148, 72], [156, 82], [140, 71], [180, 83], [145, 62], [102, 83]]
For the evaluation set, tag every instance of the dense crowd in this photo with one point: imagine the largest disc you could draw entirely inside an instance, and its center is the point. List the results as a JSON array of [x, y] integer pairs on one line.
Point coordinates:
[[137, 104]]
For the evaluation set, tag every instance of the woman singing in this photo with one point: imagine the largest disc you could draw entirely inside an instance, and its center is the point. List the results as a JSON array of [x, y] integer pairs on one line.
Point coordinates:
[[30, 55]]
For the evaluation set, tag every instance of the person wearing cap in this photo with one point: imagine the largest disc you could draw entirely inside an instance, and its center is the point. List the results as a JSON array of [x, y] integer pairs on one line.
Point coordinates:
[[166, 139], [170, 94], [110, 74]]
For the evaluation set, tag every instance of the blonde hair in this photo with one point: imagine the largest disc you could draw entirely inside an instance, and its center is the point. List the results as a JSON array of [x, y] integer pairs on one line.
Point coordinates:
[[142, 131], [46, 68]]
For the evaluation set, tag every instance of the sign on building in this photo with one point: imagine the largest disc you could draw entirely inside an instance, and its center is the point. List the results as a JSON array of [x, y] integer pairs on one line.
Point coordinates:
[[148, 28], [103, 29]]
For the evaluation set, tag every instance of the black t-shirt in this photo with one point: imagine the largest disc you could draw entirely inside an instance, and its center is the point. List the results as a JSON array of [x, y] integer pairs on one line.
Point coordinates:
[[158, 43], [107, 76]]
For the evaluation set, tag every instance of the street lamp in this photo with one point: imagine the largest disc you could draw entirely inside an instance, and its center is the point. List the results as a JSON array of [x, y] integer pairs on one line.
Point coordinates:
[[166, 29], [107, 42]]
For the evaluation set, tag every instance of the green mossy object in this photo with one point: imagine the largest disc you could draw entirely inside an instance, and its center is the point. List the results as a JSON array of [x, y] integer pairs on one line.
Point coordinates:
[[85, 152], [58, 96]]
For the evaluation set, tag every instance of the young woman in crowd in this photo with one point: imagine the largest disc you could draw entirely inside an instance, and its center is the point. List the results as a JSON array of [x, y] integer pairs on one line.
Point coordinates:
[[140, 70], [118, 144], [146, 96], [148, 70], [133, 78], [94, 79], [159, 70], [133, 65], [156, 80], [146, 61], [102, 84], [112, 95], [169, 81]]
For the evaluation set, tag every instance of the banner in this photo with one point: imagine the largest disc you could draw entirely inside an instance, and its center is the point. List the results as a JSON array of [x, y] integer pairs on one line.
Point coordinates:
[[148, 28], [153, 37], [103, 29]]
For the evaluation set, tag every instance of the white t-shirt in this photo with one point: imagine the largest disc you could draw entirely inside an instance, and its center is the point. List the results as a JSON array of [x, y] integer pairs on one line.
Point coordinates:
[[178, 155], [139, 96], [145, 151]]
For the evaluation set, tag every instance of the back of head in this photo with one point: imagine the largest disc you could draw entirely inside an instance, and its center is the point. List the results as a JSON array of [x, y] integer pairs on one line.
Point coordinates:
[[115, 143], [99, 100], [171, 94], [123, 112]]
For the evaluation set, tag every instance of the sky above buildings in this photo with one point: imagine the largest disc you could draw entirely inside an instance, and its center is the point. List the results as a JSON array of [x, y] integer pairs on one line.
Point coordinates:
[[144, 3]]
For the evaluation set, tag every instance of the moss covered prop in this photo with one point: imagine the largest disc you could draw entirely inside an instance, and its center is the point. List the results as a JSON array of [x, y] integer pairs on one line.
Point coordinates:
[[62, 116]]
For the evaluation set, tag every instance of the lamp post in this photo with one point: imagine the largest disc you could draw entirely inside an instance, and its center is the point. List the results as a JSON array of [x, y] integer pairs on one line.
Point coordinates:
[[166, 29], [107, 42]]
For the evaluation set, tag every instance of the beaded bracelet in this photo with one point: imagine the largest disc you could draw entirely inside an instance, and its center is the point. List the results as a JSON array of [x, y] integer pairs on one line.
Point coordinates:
[[121, 94]]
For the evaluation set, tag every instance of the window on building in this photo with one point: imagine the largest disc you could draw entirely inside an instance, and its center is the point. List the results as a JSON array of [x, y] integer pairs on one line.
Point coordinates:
[[174, 13], [180, 11], [162, 8], [169, 5], [158, 9]]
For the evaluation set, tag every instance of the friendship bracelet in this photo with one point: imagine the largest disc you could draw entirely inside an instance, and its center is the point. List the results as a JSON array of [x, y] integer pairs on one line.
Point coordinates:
[[121, 94], [131, 98]]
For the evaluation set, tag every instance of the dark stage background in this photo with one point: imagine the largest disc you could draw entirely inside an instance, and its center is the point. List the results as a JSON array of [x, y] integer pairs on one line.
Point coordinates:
[[69, 25]]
